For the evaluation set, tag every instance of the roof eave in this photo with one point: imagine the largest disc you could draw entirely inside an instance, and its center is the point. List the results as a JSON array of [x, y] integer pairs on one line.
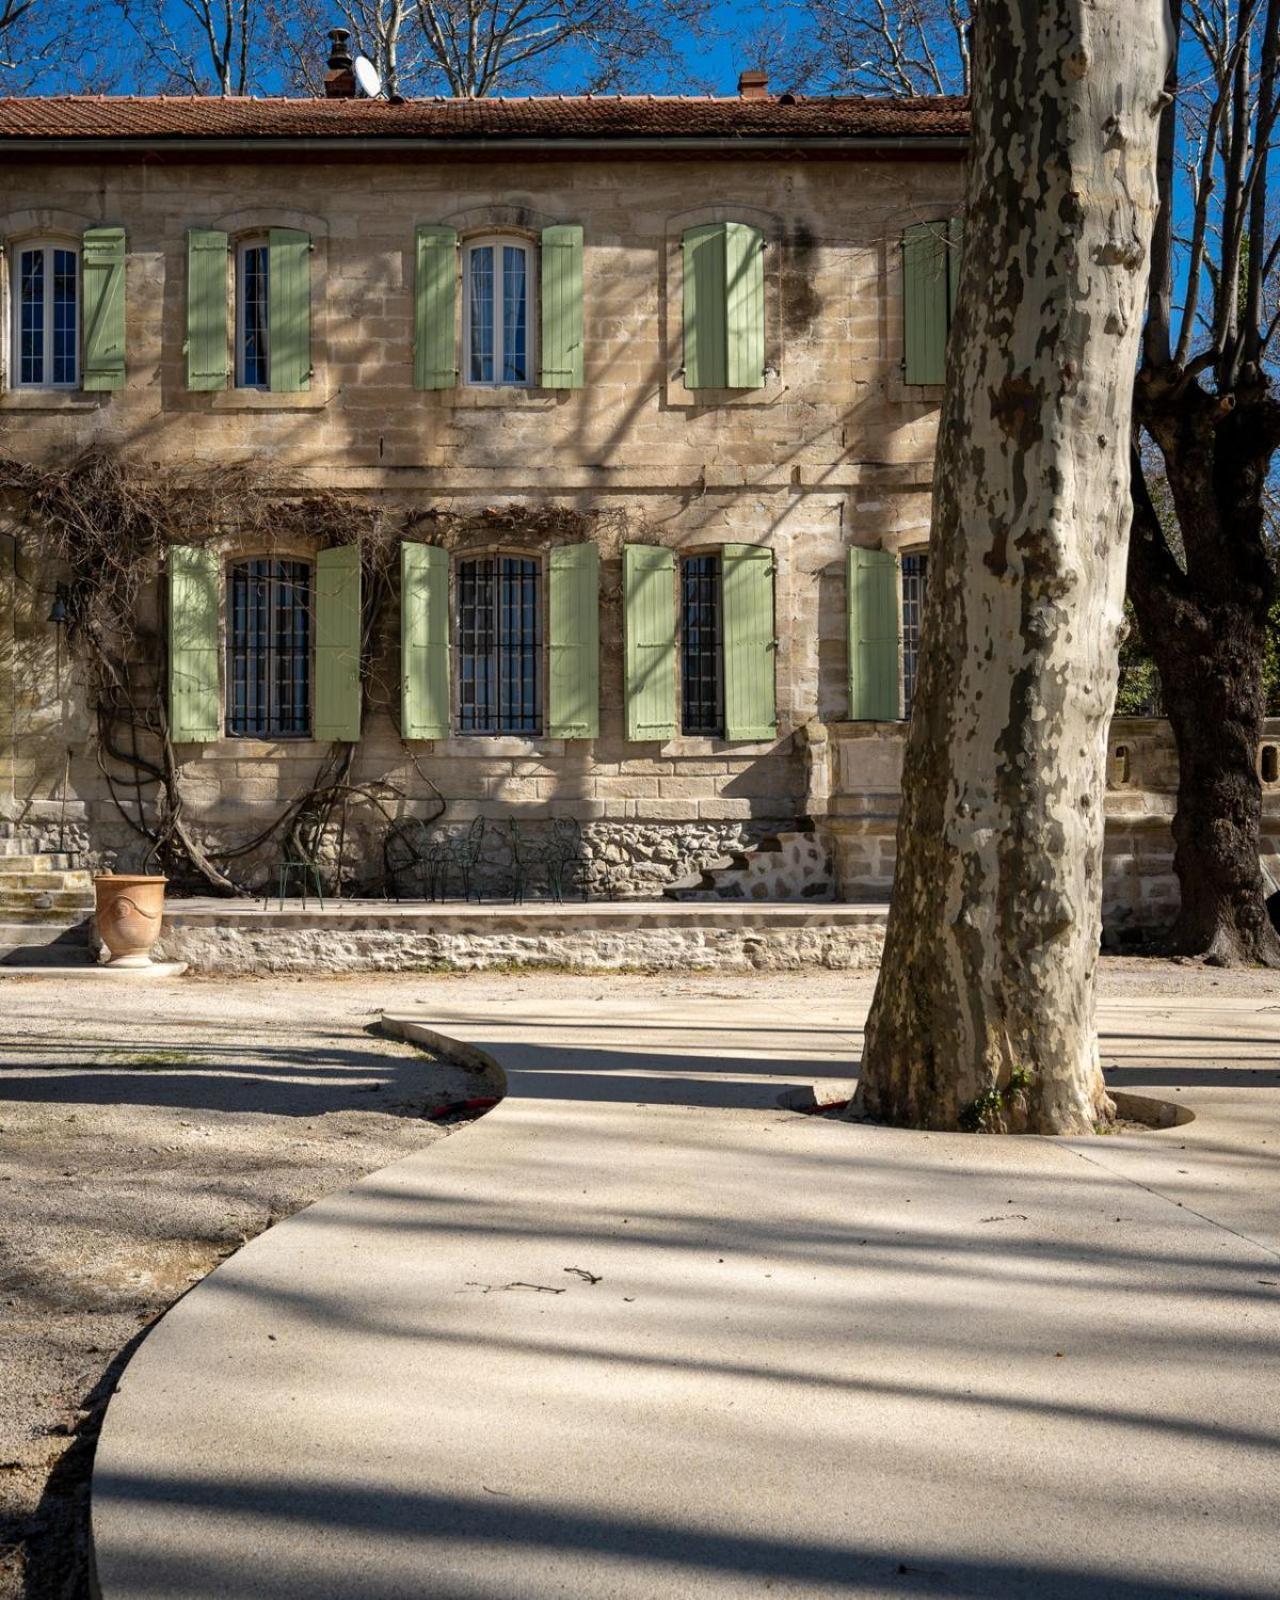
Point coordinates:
[[649, 144]]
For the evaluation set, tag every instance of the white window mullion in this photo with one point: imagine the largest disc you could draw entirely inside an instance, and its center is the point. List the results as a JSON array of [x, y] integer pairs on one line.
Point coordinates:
[[57, 263]]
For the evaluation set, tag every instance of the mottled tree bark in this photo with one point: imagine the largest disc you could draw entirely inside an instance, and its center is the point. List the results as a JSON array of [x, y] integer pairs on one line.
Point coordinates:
[[983, 1016]]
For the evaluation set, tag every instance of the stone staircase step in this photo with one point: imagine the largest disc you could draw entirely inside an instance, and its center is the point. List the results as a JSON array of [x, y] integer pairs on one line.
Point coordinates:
[[43, 942], [23, 900], [14, 858], [46, 879]]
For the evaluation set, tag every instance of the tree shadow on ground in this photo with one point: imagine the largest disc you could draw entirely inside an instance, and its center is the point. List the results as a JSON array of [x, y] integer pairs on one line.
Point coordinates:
[[578, 1548]]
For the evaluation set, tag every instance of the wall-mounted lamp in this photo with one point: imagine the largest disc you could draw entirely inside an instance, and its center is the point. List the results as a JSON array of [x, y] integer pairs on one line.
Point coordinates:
[[58, 615]]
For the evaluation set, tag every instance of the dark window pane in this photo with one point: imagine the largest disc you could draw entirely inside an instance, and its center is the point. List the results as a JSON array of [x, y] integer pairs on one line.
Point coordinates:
[[481, 333], [514, 298], [915, 583], [65, 339], [32, 318], [701, 701], [254, 328], [499, 645], [269, 649]]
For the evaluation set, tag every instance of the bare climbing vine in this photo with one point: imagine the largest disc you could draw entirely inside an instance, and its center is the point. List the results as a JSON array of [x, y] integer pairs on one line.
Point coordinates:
[[107, 523]]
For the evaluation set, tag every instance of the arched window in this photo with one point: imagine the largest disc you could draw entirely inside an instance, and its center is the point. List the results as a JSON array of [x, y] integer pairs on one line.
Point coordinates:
[[269, 649], [498, 292], [46, 317]]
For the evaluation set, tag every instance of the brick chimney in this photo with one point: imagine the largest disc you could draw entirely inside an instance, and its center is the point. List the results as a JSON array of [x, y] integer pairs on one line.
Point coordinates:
[[753, 85], [340, 79]]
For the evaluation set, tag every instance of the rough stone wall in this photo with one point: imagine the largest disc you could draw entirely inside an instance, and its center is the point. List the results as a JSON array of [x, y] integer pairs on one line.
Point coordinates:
[[1139, 889], [651, 947], [834, 449]]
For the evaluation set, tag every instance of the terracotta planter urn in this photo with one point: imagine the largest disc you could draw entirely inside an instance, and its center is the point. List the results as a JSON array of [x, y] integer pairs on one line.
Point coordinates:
[[129, 910]]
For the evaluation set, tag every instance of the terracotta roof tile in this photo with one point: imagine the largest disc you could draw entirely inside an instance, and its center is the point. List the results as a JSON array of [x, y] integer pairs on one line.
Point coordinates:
[[548, 117]]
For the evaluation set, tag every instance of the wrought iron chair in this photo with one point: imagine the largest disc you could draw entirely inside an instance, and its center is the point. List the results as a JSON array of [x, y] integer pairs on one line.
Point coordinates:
[[528, 857], [568, 857], [410, 850], [462, 856], [300, 859]]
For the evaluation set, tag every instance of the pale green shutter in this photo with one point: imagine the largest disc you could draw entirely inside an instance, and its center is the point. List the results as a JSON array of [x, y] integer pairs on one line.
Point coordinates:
[[705, 316], [562, 306], [561, 344], [289, 310], [723, 306], [194, 708], [955, 249], [338, 628], [435, 298], [649, 630], [424, 641], [872, 588], [744, 305], [102, 262], [573, 635], [924, 302], [207, 342], [750, 647]]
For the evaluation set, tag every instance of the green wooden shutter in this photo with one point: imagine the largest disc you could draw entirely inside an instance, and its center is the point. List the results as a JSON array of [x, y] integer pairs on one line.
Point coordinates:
[[207, 341], [924, 302], [573, 632], [289, 310], [744, 305], [338, 629], [750, 647], [103, 275], [955, 250], [705, 313], [872, 590], [435, 298], [424, 641], [195, 712], [649, 628], [561, 344]]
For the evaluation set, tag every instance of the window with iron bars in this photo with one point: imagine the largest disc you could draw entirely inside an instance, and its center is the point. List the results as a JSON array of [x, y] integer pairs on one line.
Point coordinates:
[[269, 649], [915, 585], [499, 645], [701, 695]]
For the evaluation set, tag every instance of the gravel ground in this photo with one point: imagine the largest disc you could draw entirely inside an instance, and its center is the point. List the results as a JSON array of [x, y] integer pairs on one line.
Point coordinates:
[[146, 1131]]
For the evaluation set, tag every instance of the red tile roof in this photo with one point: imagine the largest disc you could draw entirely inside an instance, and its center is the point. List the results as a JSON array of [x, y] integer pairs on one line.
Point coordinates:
[[638, 117]]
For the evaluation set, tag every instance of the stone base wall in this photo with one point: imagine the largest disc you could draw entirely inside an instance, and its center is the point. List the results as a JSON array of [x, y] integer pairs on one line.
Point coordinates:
[[646, 947]]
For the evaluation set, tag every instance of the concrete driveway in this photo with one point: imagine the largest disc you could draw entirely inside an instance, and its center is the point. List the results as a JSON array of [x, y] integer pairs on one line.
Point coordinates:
[[639, 1334]]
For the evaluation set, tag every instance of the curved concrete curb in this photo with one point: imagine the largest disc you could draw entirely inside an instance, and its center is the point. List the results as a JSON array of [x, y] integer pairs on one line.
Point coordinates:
[[639, 1335], [466, 1055]]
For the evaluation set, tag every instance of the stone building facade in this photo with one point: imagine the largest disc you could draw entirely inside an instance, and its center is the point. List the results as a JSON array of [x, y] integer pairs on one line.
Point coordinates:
[[693, 333]]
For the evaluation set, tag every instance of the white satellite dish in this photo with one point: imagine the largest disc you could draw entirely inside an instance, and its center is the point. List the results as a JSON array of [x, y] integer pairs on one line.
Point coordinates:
[[367, 77]]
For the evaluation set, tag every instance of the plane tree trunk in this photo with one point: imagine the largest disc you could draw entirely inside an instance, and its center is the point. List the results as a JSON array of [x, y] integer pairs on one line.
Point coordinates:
[[1205, 623], [983, 1016]]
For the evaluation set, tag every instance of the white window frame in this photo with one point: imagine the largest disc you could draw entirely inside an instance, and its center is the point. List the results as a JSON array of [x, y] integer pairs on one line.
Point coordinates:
[[15, 252], [914, 552], [253, 241], [499, 242]]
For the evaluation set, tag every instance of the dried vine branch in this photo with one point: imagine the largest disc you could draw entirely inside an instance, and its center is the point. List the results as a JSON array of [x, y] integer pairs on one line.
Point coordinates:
[[108, 523]]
